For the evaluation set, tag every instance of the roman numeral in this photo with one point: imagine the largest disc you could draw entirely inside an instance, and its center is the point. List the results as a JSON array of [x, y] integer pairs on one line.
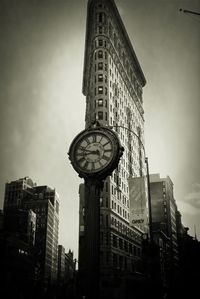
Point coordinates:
[[81, 160], [94, 137], [87, 140], [81, 148], [106, 143], [107, 150], [100, 163], [100, 139], [80, 154], [105, 158], [86, 165], [93, 167]]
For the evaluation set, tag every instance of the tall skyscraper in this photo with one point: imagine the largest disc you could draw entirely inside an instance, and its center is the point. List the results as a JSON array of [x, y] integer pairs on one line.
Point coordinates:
[[164, 215], [112, 83], [44, 202]]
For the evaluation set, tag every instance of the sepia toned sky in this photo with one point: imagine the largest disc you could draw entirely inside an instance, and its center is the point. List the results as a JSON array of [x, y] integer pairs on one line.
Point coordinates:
[[42, 107]]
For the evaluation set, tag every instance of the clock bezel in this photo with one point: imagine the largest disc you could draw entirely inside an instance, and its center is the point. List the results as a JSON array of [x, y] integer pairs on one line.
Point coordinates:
[[117, 151]]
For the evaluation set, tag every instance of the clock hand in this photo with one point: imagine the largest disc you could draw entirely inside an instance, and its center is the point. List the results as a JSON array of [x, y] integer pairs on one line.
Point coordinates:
[[92, 152]]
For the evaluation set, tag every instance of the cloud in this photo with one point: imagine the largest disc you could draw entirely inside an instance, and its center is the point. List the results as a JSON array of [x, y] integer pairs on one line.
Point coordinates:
[[193, 198]]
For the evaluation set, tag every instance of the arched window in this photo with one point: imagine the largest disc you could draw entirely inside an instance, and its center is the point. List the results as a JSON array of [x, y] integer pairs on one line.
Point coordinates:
[[100, 102], [100, 115], [100, 54]]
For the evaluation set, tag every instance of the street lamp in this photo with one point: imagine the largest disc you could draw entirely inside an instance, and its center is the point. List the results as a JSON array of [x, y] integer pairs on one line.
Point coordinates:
[[148, 178], [94, 154]]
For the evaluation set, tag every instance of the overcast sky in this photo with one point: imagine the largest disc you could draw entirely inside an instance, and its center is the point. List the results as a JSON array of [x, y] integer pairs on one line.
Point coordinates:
[[42, 107]]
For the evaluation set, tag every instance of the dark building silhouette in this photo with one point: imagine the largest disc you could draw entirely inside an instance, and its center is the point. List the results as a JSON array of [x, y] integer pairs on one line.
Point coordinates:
[[61, 264], [70, 265], [23, 197], [164, 227], [17, 263], [21, 223], [187, 283]]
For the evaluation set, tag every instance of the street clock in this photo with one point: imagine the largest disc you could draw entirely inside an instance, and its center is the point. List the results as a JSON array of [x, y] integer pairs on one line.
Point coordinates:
[[95, 152]]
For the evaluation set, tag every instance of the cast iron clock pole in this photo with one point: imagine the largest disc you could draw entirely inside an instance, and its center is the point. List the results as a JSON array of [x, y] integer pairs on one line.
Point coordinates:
[[92, 237], [94, 153]]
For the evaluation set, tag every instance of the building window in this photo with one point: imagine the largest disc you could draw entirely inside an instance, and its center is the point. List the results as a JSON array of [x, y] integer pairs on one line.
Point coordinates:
[[100, 42], [100, 77], [100, 102], [100, 54], [100, 115], [100, 89], [100, 17], [114, 241], [100, 66], [100, 29]]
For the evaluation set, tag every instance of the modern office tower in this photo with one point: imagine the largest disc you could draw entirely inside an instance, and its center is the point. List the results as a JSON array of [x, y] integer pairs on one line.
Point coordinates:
[[61, 264], [44, 202], [112, 83], [164, 211]]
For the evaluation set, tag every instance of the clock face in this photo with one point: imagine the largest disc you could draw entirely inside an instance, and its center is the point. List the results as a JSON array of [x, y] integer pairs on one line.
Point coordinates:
[[93, 152]]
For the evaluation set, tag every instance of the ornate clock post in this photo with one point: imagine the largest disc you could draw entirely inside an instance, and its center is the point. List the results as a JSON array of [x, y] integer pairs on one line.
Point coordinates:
[[94, 153]]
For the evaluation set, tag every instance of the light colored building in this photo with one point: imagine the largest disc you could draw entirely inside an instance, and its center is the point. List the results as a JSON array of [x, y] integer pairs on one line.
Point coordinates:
[[112, 83]]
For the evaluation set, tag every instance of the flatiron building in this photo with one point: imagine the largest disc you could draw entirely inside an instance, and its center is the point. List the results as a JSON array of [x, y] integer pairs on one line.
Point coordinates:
[[112, 84]]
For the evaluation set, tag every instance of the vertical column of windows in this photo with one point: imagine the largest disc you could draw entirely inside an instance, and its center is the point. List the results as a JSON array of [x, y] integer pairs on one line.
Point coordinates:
[[101, 81]]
